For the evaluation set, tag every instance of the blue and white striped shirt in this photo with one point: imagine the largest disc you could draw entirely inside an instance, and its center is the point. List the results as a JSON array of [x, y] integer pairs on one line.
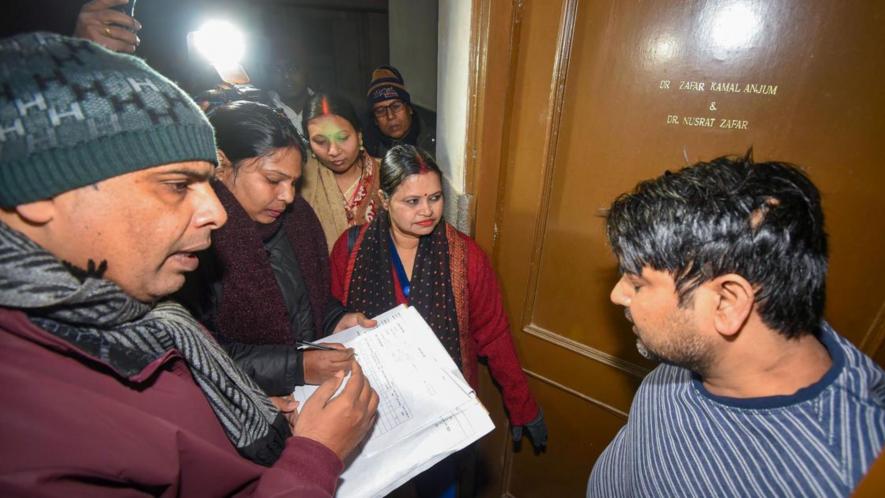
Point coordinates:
[[681, 440]]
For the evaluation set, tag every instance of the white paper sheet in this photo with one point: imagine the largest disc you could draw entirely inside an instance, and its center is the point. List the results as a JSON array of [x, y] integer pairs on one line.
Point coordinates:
[[426, 409]]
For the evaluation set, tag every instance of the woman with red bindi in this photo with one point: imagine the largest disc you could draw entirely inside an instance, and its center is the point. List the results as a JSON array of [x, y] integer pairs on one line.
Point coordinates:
[[341, 178], [409, 255]]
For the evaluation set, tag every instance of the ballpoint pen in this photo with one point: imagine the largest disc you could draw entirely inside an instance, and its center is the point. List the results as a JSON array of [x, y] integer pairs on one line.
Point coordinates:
[[314, 345]]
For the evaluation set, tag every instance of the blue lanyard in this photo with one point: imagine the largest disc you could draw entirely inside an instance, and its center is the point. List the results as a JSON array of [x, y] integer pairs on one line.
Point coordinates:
[[398, 265]]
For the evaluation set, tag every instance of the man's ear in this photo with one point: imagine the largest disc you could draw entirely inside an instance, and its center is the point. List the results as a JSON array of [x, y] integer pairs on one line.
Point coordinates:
[[37, 213], [225, 167], [734, 298]]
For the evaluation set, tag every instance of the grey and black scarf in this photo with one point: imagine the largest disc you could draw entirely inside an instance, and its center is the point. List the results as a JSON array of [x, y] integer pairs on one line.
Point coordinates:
[[97, 317]]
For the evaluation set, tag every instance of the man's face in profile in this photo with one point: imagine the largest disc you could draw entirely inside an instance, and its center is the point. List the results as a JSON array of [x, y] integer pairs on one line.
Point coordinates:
[[665, 329], [147, 225]]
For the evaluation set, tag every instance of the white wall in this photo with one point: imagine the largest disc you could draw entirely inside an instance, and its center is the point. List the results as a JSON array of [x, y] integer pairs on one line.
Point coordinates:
[[430, 45], [413, 47], [452, 101]]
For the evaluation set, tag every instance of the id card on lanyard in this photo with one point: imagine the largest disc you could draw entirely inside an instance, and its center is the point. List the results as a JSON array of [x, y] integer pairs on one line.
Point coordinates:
[[400, 269]]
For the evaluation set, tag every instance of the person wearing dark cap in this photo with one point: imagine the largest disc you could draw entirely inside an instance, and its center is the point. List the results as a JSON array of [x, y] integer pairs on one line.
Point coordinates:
[[107, 389], [395, 120]]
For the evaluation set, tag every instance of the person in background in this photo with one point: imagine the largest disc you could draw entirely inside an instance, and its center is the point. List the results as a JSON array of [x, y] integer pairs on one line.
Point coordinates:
[[341, 178], [108, 390], [723, 270], [289, 90], [395, 120], [263, 286], [408, 254]]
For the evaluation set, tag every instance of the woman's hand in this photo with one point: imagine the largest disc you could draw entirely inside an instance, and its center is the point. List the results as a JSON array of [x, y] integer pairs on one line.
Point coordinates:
[[320, 365], [352, 319]]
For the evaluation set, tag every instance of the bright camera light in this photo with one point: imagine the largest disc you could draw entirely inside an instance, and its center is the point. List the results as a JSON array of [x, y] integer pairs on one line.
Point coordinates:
[[220, 42]]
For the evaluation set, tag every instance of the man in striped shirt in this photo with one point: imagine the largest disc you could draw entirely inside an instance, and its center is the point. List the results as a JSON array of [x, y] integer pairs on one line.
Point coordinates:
[[723, 271]]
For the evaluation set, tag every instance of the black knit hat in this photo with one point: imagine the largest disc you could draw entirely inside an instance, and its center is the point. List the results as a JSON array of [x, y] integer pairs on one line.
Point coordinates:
[[387, 83], [73, 113]]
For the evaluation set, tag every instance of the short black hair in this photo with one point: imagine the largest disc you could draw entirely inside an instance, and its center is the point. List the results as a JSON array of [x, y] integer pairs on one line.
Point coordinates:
[[246, 129], [762, 221], [403, 161]]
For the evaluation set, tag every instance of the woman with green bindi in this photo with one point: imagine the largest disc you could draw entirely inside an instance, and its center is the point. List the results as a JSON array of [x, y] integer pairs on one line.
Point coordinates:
[[340, 179]]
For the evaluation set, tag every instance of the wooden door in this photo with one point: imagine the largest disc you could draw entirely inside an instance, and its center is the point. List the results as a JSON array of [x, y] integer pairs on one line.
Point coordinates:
[[576, 101]]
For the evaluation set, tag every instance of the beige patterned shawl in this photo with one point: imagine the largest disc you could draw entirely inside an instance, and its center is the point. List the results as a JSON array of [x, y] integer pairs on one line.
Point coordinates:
[[336, 213]]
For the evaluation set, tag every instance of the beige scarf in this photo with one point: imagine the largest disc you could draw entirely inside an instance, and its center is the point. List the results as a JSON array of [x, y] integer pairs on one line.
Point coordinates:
[[336, 212]]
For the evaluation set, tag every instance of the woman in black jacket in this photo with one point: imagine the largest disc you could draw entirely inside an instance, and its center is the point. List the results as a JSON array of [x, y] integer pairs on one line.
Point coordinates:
[[263, 286]]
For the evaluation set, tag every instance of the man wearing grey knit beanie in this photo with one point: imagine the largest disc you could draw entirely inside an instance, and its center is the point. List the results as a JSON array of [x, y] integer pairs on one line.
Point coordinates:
[[107, 389]]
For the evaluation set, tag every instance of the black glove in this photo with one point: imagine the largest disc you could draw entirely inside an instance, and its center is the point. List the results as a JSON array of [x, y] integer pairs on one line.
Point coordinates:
[[537, 430]]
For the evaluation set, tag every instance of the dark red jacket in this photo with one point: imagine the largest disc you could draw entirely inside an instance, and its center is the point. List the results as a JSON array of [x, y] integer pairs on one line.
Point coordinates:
[[70, 425]]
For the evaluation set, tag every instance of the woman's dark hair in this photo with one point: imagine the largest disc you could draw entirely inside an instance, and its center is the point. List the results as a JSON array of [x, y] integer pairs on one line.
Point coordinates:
[[403, 161], [245, 129], [324, 104]]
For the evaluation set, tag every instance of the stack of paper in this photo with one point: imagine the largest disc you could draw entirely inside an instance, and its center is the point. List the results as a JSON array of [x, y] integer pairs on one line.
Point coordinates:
[[426, 409]]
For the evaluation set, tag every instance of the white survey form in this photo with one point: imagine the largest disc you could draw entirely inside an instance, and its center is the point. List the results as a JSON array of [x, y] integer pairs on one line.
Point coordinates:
[[426, 409]]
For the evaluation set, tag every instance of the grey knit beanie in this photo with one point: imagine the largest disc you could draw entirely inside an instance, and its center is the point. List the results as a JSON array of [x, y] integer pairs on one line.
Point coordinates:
[[73, 113]]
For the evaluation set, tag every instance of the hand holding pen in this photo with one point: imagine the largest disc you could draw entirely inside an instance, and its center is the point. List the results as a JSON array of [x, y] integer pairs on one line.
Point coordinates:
[[322, 361]]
